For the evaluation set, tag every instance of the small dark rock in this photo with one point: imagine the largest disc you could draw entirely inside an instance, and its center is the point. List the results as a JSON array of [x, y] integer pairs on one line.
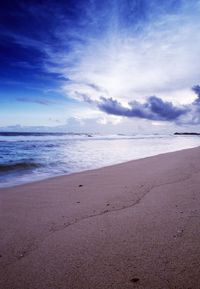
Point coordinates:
[[0, 256], [135, 280], [107, 205], [80, 185], [22, 255], [78, 202]]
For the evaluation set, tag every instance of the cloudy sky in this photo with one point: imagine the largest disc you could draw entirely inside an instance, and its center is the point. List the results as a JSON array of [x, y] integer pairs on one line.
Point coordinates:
[[100, 66]]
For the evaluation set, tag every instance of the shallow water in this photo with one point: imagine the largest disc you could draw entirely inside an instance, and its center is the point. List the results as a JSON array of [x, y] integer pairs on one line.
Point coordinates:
[[29, 157]]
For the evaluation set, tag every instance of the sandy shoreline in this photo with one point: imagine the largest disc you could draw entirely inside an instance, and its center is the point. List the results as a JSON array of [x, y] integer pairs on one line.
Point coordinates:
[[132, 225]]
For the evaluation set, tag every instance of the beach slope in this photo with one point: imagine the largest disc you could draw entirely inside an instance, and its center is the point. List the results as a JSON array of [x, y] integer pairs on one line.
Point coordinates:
[[132, 225]]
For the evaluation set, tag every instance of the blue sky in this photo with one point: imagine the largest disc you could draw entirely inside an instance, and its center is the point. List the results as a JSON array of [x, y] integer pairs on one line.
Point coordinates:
[[113, 66]]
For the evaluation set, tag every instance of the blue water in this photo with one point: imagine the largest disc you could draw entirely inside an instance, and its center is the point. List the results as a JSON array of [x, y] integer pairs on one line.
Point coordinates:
[[27, 157]]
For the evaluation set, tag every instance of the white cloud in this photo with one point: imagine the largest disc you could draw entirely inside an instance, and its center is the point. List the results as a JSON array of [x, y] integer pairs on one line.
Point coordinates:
[[163, 59]]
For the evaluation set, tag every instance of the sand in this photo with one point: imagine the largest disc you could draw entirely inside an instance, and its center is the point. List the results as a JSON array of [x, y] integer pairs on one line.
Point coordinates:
[[133, 225]]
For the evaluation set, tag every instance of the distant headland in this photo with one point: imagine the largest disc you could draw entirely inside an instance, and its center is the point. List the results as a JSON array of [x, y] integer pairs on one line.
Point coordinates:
[[186, 133]]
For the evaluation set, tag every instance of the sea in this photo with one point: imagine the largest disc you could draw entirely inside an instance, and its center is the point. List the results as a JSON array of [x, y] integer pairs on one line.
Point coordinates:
[[28, 157]]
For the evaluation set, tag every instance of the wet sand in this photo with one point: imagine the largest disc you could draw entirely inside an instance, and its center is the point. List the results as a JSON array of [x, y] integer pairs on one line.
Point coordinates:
[[133, 225]]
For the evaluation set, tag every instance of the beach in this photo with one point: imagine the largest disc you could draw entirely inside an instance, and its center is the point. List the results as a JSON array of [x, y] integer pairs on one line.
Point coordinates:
[[130, 225]]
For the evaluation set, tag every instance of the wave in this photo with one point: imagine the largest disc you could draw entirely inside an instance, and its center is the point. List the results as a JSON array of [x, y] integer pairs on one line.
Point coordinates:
[[19, 166], [5, 133]]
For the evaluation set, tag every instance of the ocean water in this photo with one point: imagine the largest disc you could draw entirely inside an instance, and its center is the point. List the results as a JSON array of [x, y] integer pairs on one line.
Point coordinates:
[[27, 157]]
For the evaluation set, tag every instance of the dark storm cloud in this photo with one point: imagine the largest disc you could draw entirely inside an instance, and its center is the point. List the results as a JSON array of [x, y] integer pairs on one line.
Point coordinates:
[[154, 109], [196, 89]]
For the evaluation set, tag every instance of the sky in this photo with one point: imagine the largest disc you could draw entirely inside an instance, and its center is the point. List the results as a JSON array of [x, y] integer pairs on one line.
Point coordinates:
[[116, 66]]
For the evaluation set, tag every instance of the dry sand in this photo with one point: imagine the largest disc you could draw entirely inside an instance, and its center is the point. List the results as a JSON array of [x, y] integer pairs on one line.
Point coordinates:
[[133, 225]]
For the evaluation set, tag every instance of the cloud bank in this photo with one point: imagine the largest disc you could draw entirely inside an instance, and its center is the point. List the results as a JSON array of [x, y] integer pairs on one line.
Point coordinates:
[[153, 109]]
